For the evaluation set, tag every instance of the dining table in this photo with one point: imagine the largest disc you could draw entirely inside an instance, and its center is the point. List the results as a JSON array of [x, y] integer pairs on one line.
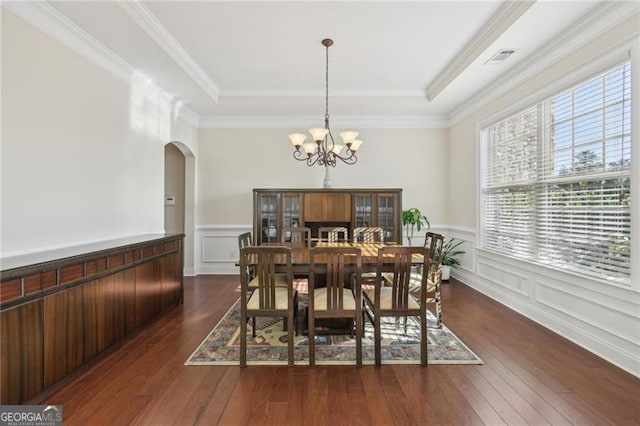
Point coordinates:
[[300, 255]]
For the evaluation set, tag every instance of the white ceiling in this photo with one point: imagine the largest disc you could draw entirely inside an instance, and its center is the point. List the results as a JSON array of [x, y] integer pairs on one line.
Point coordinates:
[[240, 61]]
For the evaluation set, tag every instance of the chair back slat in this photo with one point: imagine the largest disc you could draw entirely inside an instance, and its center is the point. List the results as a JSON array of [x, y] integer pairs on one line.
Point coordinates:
[[245, 240], [296, 234], [333, 234], [402, 275], [368, 235]]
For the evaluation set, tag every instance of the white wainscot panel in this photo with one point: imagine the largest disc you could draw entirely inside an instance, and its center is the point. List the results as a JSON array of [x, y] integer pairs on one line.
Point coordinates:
[[507, 279], [217, 250], [598, 316], [603, 316], [468, 258]]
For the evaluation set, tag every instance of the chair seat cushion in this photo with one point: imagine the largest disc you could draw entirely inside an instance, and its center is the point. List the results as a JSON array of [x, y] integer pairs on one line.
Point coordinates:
[[386, 299], [320, 299], [281, 299], [281, 281]]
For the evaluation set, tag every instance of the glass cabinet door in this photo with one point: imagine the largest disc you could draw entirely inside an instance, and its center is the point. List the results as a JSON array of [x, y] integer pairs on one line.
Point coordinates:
[[290, 211], [363, 210], [268, 217], [386, 215]]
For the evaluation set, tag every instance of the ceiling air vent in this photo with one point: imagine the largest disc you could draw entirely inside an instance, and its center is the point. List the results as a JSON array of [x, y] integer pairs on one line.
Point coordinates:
[[500, 56]]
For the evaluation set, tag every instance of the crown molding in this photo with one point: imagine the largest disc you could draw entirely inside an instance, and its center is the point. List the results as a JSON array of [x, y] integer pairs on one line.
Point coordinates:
[[61, 29], [187, 114], [143, 17], [506, 15], [289, 122], [600, 20], [321, 93]]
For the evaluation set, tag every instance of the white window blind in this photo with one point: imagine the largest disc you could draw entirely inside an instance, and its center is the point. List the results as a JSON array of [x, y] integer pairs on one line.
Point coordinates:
[[556, 179]]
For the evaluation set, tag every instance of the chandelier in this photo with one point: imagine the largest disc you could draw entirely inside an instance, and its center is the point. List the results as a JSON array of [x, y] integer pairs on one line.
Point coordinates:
[[323, 150]]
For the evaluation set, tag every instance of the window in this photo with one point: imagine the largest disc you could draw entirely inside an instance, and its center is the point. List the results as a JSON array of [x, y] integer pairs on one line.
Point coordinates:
[[556, 179]]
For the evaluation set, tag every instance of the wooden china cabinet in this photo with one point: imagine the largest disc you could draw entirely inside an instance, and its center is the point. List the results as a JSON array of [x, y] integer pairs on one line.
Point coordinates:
[[274, 209]]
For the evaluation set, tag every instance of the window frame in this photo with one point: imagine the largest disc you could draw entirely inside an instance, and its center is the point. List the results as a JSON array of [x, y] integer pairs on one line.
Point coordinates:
[[540, 101]]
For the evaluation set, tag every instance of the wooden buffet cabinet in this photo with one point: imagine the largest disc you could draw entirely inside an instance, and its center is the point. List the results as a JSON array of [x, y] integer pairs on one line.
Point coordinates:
[[61, 309], [274, 209]]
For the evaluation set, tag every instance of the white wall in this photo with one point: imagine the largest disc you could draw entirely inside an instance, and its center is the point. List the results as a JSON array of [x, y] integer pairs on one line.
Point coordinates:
[[601, 317], [232, 162], [82, 150]]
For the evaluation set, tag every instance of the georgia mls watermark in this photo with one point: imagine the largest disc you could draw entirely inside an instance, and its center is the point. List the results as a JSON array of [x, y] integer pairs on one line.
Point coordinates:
[[30, 415]]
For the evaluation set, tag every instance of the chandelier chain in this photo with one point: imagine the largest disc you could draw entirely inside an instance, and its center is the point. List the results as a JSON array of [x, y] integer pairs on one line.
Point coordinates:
[[326, 86]]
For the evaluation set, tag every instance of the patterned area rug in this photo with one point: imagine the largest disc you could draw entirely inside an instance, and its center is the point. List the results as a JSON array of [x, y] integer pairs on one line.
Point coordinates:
[[222, 345]]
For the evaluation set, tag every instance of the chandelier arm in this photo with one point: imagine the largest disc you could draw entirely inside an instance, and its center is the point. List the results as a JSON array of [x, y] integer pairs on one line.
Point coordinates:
[[329, 136], [352, 159], [300, 156], [313, 159]]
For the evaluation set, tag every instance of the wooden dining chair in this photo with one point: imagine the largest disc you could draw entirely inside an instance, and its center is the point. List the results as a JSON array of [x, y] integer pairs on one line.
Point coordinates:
[[368, 235], [296, 234], [434, 243], [397, 299], [333, 234], [267, 299], [335, 299], [246, 240]]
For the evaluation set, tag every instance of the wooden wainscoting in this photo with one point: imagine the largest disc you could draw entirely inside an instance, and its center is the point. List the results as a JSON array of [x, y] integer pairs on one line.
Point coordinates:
[[58, 315]]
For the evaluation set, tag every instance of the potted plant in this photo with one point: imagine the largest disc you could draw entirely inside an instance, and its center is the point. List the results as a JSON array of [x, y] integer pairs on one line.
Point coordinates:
[[450, 253], [411, 219]]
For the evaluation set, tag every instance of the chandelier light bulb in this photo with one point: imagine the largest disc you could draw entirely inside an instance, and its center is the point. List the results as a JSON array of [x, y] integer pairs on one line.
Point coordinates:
[[318, 134], [297, 139], [355, 145], [309, 148], [348, 136]]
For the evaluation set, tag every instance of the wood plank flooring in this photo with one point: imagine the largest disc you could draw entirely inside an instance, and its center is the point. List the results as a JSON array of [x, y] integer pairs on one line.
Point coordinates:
[[530, 376]]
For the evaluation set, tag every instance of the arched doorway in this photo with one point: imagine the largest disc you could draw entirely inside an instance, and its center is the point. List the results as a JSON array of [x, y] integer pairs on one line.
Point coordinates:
[[174, 189], [179, 190]]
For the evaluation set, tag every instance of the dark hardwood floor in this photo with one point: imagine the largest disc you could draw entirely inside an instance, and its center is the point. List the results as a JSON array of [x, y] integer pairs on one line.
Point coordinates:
[[530, 376]]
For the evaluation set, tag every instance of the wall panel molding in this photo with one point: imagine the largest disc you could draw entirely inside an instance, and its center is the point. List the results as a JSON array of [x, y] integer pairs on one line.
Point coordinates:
[[590, 322], [598, 316], [217, 248]]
